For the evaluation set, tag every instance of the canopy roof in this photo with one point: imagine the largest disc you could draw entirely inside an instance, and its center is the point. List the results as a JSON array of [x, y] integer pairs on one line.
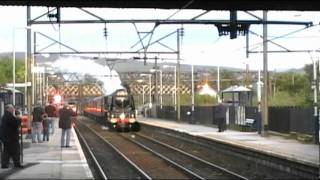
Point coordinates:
[[236, 89], [177, 4]]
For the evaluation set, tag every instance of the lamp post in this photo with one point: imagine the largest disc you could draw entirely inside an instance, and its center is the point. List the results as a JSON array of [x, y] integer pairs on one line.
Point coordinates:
[[40, 84], [265, 120], [140, 81], [143, 87], [192, 93], [159, 70], [38, 90], [218, 82], [14, 66], [14, 69], [43, 94], [14, 76], [25, 82], [259, 103], [33, 70], [47, 89], [143, 93], [175, 84], [315, 87], [160, 89], [150, 100]]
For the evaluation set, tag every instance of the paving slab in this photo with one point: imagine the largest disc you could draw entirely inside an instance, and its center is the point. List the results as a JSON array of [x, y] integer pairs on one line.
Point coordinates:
[[47, 160]]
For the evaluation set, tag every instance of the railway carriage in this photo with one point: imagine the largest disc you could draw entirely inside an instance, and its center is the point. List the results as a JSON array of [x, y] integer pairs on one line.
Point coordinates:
[[116, 110], [6, 97]]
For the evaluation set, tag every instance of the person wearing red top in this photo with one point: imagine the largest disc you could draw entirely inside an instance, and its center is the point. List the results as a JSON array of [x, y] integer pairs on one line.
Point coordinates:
[[65, 123], [52, 115]]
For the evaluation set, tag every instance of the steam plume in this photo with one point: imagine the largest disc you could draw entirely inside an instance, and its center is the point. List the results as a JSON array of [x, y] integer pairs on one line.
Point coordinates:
[[110, 79]]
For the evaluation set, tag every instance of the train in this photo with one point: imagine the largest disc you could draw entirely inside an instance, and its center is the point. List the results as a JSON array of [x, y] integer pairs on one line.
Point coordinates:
[[116, 111], [6, 97]]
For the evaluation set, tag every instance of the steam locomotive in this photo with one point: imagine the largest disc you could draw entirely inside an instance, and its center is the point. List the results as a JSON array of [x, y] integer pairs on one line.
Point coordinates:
[[117, 111]]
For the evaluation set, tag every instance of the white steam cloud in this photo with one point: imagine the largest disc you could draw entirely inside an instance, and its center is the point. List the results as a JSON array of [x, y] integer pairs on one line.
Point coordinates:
[[111, 80]]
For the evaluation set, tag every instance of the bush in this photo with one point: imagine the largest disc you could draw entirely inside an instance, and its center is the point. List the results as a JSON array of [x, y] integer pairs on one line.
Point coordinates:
[[284, 98]]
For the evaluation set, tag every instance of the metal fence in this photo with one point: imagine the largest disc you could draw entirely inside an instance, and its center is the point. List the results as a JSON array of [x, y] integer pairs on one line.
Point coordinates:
[[281, 119], [202, 114], [291, 119], [1, 109]]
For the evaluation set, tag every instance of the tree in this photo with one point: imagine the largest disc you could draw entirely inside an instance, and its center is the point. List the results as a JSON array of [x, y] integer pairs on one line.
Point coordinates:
[[227, 79], [6, 67], [293, 89]]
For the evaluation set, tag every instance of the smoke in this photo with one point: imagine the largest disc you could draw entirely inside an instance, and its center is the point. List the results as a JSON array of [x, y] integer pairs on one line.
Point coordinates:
[[87, 67]]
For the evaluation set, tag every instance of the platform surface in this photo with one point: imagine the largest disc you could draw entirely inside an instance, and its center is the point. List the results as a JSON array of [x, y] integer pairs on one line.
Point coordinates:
[[275, 145], [47, 160]]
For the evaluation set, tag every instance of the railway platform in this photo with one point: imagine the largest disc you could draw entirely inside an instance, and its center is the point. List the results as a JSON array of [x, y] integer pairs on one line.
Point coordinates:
[[274, 145], [47, 160]]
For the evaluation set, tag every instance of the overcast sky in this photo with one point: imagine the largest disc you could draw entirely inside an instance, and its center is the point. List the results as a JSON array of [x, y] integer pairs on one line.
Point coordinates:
[[200, 45]]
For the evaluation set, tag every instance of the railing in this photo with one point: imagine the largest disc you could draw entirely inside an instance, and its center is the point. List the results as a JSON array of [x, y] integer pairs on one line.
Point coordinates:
[[281, 119]]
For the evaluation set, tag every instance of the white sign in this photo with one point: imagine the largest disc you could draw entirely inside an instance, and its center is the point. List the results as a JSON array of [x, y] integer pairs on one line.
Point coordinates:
[[10, 85]]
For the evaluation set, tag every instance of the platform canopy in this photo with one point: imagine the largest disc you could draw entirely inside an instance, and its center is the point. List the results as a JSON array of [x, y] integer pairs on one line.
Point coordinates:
[[236, 89], [237, 95], [310, 5]]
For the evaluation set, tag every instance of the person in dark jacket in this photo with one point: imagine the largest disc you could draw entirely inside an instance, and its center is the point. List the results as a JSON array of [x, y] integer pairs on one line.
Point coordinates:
[[45, 125], [220, 114], [37, 117], [9, 135], [65, 123]]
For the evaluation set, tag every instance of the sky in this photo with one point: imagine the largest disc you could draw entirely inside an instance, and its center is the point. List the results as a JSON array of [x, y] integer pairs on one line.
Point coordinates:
[[201, 44]]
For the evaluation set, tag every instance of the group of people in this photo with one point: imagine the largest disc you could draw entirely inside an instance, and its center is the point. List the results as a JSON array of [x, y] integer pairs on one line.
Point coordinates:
[[42, 121]]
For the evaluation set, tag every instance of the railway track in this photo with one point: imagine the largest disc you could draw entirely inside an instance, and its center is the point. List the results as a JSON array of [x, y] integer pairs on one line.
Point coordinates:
[[158, 160], [152, 166], [251, 164], [200, 168], [108, 161], [194, 153]]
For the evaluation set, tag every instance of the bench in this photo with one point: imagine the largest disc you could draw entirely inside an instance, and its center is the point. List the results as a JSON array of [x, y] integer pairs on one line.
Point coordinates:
[[248, 125]]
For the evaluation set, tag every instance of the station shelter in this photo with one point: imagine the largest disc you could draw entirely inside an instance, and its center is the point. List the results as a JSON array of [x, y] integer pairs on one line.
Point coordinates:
[[239, 102]]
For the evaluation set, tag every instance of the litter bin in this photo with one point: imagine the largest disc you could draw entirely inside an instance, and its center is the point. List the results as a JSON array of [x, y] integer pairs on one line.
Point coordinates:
[[258, 124]]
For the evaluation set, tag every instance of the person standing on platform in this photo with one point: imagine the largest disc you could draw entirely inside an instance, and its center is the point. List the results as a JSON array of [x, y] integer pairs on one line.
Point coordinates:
[[9, 135], [52, 114], [45, 124], [65, 123], [220, 114], [37, 117]]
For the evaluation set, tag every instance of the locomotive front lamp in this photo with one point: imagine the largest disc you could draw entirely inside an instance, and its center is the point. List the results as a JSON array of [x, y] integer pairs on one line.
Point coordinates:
[[113, 120], [122, 116], [132, 120]]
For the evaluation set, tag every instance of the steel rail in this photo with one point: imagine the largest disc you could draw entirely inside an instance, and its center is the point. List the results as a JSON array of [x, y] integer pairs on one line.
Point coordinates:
[[165, 158], [146, 176], [194, 157], [92, 156]]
